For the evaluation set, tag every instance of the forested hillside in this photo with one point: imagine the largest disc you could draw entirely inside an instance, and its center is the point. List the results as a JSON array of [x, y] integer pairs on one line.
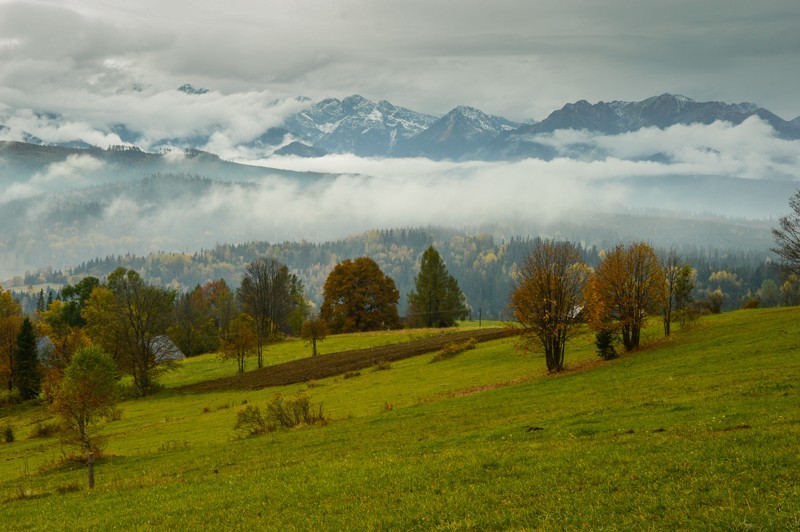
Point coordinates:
[[484, 264]]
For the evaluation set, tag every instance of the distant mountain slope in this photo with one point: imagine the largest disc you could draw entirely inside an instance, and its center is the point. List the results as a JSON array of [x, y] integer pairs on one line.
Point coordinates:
[[659, 111], [21, 161], [357, 125], [457, 135], [299, 149], [617, 117]]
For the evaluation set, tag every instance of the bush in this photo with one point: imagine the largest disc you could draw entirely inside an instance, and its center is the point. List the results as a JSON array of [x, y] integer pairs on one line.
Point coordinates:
[[281, 413], [751, 303], [383, 365], [687, 316], [251, 421], [452, 349], [45, 430], [289, 413], [8, 434], [351, 374]]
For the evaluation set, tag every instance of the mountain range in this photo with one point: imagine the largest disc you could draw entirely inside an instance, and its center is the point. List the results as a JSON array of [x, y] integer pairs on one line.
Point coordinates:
[[359, 126]]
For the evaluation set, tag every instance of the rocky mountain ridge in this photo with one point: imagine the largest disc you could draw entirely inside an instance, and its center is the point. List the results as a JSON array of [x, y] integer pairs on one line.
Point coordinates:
[[380, 129]]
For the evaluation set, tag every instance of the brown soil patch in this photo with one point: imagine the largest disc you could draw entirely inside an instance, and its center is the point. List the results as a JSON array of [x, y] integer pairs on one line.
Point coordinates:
[[330, 365]]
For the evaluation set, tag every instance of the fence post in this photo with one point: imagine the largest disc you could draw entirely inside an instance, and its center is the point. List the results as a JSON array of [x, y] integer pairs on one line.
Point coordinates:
[[91, 469]]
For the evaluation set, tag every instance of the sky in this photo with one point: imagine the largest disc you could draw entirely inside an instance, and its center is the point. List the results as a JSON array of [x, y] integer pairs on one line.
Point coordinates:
[[520, 59]]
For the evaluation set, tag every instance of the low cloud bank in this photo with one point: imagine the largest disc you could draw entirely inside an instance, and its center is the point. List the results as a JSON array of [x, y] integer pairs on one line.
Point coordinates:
[[738, 171]]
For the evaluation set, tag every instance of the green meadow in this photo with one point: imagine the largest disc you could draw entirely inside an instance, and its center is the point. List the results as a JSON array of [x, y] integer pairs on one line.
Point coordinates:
[[697, 431]]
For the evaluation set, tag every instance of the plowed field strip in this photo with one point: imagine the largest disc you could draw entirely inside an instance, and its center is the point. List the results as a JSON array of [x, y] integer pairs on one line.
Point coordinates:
[[333, 364]]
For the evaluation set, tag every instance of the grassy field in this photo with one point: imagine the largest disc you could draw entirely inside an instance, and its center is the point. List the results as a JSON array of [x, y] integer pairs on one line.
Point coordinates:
[[698, 431]]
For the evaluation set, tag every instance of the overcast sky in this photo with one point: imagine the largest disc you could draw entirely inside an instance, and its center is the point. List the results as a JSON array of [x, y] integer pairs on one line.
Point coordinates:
[[517, 58]]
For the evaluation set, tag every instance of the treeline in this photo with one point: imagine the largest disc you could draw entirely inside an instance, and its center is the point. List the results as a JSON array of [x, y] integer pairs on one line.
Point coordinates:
[[484, 266]]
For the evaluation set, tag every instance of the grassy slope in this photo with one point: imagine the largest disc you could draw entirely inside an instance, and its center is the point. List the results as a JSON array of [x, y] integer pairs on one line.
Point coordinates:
[[697, 431]]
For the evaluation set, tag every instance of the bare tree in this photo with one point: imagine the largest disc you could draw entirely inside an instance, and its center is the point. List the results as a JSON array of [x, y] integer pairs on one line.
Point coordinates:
[[787, 238], [241, 341], [266, 293], [314, 330], [549, 296]]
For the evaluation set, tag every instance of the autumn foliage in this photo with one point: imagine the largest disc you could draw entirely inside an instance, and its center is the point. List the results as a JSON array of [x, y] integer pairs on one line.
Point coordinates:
[[358, 296], [548, 297], [627, 287]]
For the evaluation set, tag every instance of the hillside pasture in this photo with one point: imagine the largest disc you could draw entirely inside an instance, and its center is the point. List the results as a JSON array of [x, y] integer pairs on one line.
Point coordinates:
[[696, 431]]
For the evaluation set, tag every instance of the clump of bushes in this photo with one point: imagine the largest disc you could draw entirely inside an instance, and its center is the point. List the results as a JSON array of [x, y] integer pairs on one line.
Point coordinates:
[[351, 374], [281, 413], [452, 349]]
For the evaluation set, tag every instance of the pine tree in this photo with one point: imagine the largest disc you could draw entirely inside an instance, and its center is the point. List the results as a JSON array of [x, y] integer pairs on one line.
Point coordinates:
[[40, 304], [436, 300], [27, 377]]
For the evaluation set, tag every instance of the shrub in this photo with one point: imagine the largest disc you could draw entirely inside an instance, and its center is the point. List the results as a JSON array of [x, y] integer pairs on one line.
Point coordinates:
[[44, 430], [289, 413], [8, 434], [115, 414], [351, 374], [68, 488], [250, 421], [281, 413], [687, 316], [383, 365], [751, 303], [452, 349]]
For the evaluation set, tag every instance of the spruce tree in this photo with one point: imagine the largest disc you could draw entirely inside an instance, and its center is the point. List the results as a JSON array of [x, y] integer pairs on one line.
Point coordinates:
[[436, 300], [27, 377]]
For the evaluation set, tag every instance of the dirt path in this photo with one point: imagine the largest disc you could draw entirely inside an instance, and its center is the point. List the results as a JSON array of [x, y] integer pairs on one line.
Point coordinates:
[[322, 366]]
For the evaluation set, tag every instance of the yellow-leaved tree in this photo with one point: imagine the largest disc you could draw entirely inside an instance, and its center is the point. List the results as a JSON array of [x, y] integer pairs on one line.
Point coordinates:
[[626, 288], [549, 297]]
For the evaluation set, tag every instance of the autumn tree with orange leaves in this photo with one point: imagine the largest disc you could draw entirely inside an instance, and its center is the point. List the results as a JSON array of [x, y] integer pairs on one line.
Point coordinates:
[[10, 325], [627, 287], [548, 298], [358, 296]]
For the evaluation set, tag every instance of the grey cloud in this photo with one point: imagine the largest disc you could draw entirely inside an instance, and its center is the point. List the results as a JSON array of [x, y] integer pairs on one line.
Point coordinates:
[[742, 171], [513, 57]]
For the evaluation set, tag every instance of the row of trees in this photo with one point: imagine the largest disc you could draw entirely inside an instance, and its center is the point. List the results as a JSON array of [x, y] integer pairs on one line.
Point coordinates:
[[557, 292], [483, 265], [135, 323], [630, 283]]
